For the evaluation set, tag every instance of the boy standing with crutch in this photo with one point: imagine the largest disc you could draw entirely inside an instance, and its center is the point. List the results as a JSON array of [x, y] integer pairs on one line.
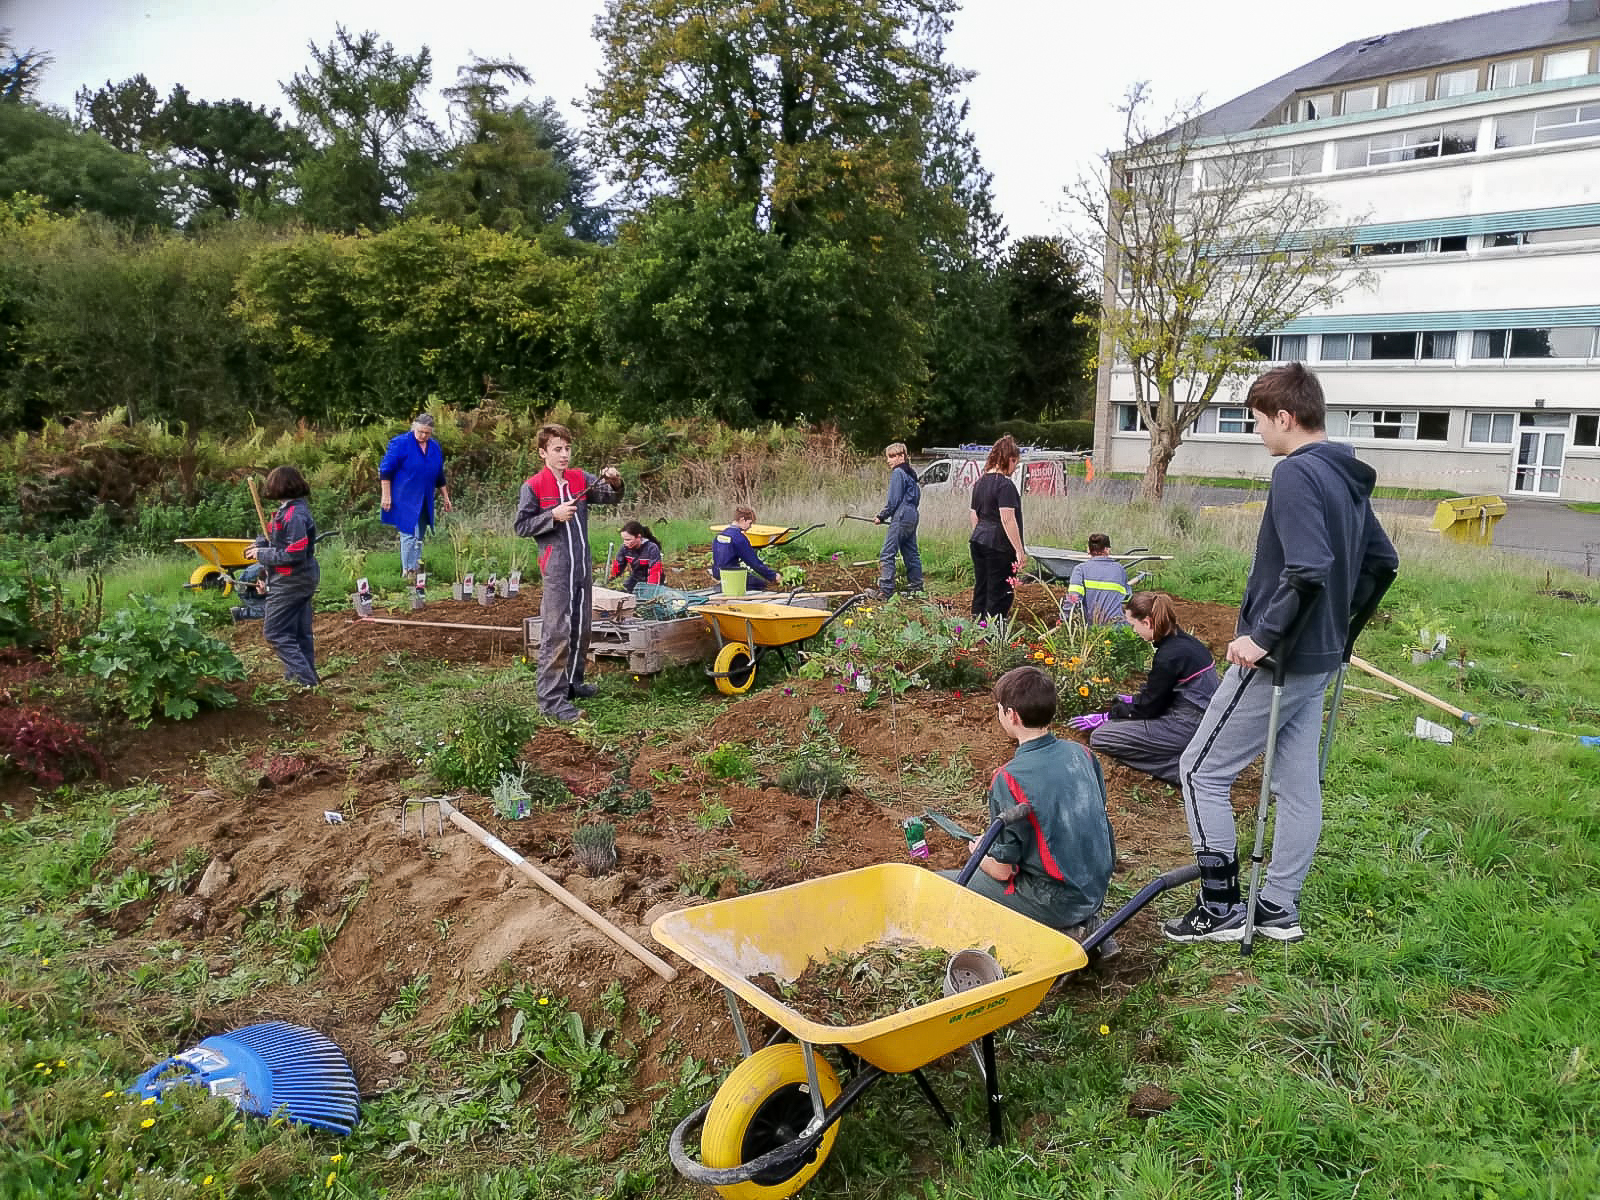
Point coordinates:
[[1320, 557]]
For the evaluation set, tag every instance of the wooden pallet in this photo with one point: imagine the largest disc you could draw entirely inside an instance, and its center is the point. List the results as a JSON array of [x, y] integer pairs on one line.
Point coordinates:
[[648, 646]]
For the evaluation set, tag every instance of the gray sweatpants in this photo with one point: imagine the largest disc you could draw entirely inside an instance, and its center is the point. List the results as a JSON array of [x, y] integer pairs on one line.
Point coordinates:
[[1152, 746], [1232, 734]]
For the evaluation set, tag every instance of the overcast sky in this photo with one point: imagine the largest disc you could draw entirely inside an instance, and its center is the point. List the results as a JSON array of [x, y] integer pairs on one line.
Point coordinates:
[[1050, 72]]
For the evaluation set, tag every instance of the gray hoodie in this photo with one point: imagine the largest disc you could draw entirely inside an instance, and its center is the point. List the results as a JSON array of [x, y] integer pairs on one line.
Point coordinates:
[[1318, 531]]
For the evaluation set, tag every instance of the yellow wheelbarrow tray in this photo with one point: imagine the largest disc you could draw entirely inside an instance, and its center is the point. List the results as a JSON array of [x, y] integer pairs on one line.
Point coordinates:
[[772, 1123], [748, 630], [223, 556], [762, 536]]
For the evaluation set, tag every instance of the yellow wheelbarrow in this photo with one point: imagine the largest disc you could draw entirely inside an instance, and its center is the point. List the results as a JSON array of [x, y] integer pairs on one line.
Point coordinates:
[[762, 536], [771, 1124], [747, 630], [223, 556]]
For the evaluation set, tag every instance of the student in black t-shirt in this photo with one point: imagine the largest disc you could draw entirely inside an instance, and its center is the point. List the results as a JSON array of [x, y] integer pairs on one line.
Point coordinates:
[[996, 540]]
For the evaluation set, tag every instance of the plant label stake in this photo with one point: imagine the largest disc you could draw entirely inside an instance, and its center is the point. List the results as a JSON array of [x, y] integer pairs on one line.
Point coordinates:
[[514, 582], [419, 594], [363, 597], [916, 837], [467, 587]]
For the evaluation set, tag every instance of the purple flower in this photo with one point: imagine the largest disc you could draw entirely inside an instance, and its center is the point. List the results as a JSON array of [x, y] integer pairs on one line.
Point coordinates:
[[839, 687], [958, 629], [838, 641], [983, 624], [788, 691]]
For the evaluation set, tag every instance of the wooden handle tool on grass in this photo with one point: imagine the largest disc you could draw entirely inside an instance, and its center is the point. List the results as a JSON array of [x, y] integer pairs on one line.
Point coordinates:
[[1405, 687], [465, 823]]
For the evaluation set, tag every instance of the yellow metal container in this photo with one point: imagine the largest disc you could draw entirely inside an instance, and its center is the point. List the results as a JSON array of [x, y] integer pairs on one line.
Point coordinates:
[[1469, 518], [756, 623], [762, 535], [227, 553], [781, 931]]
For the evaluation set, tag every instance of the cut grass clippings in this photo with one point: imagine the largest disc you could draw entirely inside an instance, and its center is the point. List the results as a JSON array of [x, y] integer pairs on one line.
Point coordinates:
[[852, 988]]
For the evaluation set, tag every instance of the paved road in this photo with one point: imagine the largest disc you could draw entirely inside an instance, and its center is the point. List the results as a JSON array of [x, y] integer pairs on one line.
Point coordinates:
[[1545, 530]]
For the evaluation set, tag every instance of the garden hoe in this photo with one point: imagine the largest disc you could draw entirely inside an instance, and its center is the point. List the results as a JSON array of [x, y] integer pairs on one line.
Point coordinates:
[[442, 809]]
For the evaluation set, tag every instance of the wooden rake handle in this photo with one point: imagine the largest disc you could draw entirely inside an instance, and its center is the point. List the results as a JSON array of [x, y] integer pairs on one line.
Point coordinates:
[[1460, 714]]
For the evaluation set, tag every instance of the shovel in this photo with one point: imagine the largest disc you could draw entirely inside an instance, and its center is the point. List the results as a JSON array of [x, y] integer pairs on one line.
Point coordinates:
[[853, 517]]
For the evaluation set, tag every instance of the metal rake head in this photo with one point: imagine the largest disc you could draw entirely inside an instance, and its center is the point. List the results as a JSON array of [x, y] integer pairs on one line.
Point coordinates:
[[421, 807]]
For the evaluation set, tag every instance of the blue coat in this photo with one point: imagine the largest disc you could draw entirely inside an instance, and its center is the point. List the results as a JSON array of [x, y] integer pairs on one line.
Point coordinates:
[[414, 474]]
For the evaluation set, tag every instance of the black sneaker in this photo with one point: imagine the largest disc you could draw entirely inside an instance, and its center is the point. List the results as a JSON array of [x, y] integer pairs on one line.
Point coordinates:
[[582, 691], [1279, 924], [1204, 924]]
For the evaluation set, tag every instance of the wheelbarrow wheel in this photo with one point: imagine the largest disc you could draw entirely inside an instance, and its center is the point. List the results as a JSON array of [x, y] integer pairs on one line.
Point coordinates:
[[735, 669], [765, 1104], [211, 579]]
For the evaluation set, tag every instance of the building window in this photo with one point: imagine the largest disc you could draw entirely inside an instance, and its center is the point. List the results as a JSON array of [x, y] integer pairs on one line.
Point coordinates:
[[1408, 146], [1129, 420], [1491, 429], [1562, 341], [1281, 347], [1289, 162], [1456, 83], [1564, 64], [1586, 430], [1512, 72], [1444, 245], [1541, 237], [1403, 346], [1547, 125], [1313, 108], [1407, 91], [1394, 425], [1235, 420], [1359, 100]]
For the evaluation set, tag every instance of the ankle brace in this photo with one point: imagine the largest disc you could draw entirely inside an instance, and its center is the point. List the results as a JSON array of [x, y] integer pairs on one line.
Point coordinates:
[[1219, 879]]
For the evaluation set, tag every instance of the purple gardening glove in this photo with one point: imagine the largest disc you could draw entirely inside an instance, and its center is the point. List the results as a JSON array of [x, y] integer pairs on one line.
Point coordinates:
[[1125, 699], [1089, 721]]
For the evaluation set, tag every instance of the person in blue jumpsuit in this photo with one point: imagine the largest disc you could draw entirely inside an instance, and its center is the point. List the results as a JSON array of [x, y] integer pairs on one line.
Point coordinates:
[[900, 513], [412, 470]]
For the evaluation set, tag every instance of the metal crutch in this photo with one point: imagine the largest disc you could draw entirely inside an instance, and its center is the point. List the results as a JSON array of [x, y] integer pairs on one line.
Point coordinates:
[[1357, 623], [1278, 663]]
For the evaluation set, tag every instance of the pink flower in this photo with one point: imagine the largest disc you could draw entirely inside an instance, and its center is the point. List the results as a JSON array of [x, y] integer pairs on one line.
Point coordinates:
[[839, 687], [788, 691], [983, 624], [958, 629]]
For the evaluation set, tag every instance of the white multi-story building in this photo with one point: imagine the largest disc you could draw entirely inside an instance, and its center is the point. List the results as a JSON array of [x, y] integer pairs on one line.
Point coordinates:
[[1471, 151]]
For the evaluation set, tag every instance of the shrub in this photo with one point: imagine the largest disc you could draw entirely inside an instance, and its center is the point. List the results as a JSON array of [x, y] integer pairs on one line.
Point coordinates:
[[153, 657], [485, 747], [41, 745], [16, 606]]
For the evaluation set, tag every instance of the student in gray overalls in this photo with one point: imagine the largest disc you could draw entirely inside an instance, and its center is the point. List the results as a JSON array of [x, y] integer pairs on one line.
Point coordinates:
[[900, 514], [288, 556], [1149, 732], [553, 509]]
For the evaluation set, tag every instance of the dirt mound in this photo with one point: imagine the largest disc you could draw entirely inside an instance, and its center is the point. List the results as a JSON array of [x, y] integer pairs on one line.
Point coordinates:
[[395, 906]]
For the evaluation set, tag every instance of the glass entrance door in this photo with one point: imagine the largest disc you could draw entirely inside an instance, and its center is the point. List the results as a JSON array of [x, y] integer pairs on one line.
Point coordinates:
[[1541, 447]]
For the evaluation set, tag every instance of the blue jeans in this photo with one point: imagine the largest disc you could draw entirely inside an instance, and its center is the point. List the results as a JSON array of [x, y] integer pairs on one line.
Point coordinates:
[[900, 538], [411, 549]]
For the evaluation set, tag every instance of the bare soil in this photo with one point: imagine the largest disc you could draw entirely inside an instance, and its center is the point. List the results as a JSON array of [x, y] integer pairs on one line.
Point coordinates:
[[404, 904]]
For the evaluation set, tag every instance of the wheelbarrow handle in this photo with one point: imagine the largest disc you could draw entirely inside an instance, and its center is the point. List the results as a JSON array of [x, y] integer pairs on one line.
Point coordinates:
[[1010, 817], [1177, 877]]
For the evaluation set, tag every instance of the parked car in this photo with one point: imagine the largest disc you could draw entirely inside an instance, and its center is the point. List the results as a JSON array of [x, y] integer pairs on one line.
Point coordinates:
[[1038, 474]]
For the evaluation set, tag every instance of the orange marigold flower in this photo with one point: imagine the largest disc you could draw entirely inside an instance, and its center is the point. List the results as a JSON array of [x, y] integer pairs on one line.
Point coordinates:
[[1083, 691]]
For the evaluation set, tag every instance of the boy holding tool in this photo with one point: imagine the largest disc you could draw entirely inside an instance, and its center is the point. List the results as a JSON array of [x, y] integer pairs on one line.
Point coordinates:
[[553, 509], [1320, 555], [1054, 866]]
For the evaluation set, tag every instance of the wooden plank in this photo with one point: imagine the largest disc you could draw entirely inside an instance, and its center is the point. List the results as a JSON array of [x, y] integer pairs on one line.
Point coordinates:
[[441, 624]]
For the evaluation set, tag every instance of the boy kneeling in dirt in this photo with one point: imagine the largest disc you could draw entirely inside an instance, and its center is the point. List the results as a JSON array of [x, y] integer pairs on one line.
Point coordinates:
[[1054, 866]]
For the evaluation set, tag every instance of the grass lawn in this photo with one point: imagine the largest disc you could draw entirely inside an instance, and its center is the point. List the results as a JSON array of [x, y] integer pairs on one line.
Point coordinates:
[[1436, 1035]]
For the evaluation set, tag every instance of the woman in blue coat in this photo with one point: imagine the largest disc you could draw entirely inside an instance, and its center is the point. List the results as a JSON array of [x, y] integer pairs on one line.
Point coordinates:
[[411, 471]]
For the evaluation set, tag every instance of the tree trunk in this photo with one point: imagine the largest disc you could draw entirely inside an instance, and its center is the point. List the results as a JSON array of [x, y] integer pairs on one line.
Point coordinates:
[[1163, 446]]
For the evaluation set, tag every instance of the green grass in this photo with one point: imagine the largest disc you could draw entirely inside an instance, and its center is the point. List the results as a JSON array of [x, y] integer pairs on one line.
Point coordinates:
[[1585, 506], [1436, 1035]]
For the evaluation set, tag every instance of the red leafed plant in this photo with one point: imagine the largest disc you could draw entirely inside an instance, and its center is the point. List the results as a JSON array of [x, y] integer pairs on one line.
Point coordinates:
[[40, 744]]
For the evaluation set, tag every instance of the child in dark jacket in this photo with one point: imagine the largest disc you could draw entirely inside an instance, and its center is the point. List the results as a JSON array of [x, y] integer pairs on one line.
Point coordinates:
[[288, 554], [900, 513], [640, 560], [732, 548], [1149, 732]]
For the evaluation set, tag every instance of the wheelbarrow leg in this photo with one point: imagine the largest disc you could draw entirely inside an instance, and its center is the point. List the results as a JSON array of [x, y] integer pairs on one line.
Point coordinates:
[[932, 1098], [997, 1133]]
